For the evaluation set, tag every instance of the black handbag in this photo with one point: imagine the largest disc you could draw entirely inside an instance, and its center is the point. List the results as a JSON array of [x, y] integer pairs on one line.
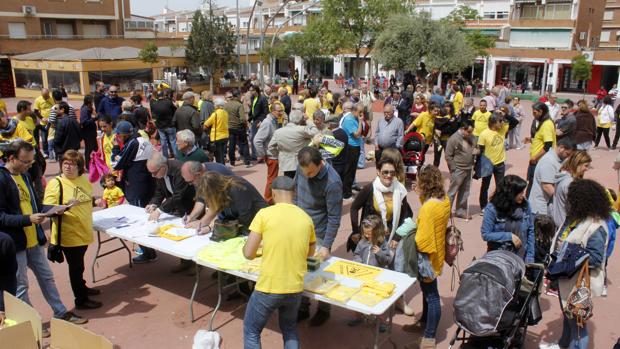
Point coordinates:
[[54, 252]]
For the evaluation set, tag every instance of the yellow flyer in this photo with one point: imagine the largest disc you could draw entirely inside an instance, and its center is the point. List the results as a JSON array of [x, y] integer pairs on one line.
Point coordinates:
[[354, 270]]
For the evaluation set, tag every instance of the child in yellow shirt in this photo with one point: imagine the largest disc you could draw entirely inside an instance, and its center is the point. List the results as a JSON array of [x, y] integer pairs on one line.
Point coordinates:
[[112, 194]]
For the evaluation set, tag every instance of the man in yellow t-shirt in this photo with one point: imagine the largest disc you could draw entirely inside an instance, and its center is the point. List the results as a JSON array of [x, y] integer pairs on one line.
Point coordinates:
[[24, 116], [288, 238], [11, 129], [425, 124], [21, 221], [42, 108], [543, 140], [491, 144], [481, 118]]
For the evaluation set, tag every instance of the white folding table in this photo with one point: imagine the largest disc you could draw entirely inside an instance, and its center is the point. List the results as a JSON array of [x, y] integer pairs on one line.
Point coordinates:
[[402, 282]]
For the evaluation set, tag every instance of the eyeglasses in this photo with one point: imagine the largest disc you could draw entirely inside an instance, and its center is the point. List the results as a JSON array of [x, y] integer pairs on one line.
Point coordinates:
[[112, 92], [387, 173], [26, 162], [564, 107], [69, 164]]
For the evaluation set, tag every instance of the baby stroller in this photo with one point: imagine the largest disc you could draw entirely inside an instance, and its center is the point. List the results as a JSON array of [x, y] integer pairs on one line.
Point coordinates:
[[496, 301], [413, 154]]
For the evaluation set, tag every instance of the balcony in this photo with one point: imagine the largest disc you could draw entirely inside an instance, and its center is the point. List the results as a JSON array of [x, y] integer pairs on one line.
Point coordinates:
[[542, 23], [32, 43]]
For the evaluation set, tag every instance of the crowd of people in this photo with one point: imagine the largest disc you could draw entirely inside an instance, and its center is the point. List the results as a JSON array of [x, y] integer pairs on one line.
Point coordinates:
[[176, 156]]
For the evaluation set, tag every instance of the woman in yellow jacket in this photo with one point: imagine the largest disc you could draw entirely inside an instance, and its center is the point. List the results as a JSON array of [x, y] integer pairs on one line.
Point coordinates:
[[76, 224], [430, 239], [218, 122]]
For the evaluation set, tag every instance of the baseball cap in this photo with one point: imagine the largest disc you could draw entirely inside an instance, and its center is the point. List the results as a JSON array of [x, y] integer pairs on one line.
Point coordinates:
[[283, 183], [124, 128]]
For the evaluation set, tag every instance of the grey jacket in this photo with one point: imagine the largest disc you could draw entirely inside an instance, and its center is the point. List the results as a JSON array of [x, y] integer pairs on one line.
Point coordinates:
[[288, 141], [263, 136], [459, 152], [188, 118], [363, 254]]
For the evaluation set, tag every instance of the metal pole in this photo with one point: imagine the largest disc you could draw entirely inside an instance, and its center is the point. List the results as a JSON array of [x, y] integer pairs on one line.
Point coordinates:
[[262, 37], [247, 39], [238, 45]]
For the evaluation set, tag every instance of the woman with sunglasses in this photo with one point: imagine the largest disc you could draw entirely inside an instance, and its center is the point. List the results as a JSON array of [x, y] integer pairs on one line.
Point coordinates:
[[385, 197]]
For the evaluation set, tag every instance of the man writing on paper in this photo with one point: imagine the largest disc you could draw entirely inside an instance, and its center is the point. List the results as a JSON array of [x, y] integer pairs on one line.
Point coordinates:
[[172, 195], [287, 235]]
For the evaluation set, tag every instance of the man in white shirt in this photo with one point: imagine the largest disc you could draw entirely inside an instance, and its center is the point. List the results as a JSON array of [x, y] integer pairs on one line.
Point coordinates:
[[554, 107]]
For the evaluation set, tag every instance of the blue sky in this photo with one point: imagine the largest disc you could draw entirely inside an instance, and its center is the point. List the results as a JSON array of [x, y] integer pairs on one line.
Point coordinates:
[[153, 7]]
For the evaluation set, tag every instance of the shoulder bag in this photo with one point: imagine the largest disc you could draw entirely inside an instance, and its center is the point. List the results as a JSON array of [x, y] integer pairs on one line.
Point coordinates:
[[579, 304], [54, 252]]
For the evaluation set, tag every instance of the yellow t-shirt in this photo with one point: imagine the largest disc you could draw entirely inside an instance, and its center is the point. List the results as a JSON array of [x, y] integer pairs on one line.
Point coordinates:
[[77, 222], [389, 208], [504, 130], [431, 234], [493, 143], [107, 145], [425, 124], [218, 121], [20, 132], [44, 106], [481, 121], [287, 232], [3, 106], [113, 196], [310, 106], [26, 206], [289, 90], [546, 133], [458, 102], [28, 123]]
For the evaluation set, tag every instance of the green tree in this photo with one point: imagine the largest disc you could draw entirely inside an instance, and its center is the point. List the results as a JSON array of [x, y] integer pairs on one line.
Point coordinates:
[[149, 54], [480, 42], [353, 25], [462, 13], [409, 39], [211, 44], [581, 70]]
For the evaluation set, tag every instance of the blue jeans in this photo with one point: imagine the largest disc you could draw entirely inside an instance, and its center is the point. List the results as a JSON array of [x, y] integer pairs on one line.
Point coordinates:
[[258, 311], [35, 258], [573, 337], [584, 145], [431, 307], [168, 135]]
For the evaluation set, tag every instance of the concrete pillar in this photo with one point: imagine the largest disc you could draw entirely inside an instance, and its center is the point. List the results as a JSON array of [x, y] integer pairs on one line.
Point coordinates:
[[553, 76], [338, 64], [618, 83], [299, 65], [492, 72], [485, 71]]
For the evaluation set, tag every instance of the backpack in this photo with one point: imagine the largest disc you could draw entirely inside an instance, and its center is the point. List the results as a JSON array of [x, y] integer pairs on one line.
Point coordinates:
[[454, 245]]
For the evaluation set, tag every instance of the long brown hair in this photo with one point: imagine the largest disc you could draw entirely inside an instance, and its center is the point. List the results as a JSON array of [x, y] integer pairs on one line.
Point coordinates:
[[214, 188], [430, 183], [578, 158]]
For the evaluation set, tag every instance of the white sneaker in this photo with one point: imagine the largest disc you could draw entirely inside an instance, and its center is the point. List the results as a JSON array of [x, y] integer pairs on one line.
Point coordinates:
[[544, 345], [604, 293]]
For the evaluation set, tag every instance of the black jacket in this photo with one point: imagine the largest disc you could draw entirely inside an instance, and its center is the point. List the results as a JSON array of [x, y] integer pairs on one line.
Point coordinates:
[[12, 221], [260, 110], [181, 200], [88, 125], [67, 135], [162, 111], [286, 102], [137, 181], [188, 118], [142, 116]]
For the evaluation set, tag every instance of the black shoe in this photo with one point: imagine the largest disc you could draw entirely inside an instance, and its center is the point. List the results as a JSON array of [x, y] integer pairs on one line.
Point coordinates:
[[93, 292], [303, 315], [319, 318], [89, 304]]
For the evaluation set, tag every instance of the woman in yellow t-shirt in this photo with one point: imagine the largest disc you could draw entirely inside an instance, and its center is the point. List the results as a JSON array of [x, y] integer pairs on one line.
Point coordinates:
[[430, 239], [76, 224]]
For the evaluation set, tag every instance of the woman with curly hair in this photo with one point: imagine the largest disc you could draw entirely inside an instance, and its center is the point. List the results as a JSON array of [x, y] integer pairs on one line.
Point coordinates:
[[585, 225], [508, 222], [430, 239]]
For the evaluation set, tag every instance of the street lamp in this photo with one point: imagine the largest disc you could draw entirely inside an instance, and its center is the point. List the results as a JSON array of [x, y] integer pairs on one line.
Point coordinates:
[[273, 39], [247, 36]]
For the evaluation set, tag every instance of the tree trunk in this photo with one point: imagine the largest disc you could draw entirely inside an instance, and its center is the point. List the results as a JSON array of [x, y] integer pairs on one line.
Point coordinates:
[[211, 83]]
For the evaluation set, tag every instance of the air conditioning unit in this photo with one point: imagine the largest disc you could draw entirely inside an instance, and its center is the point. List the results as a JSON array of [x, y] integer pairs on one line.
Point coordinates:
[[29, 10], [589, 55]]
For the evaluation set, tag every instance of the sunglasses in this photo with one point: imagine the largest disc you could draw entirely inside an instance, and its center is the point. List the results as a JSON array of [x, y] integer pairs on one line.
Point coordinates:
[[564, 107], [386, 173]]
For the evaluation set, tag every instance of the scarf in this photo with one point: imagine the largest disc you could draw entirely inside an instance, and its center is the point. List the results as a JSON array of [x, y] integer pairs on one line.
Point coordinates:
[[398, 194], [8, 131]]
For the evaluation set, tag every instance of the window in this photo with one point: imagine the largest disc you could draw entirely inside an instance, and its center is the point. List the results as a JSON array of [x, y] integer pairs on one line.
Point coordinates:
[[608, 16], [530, 11], [128, 80], [489, 15], [95, 30], [28, 78], [48, 29], [17, 30], [582, 36], [64, 30], [558, 11], [70, 80], [502, 15], [605, 34]]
